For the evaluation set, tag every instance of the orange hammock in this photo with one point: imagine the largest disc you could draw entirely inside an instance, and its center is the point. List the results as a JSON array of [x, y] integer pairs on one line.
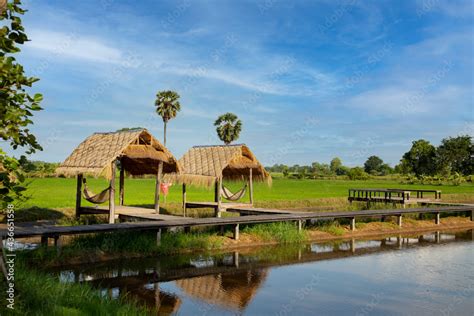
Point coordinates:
[[99, 198], [228, 195]]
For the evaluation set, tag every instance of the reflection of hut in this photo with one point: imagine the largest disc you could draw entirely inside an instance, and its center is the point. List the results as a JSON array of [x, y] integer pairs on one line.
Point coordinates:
[[211, 165], [136, 151], [233, 290]]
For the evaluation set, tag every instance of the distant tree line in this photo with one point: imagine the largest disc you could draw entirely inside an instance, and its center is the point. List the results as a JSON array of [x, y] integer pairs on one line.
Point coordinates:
[[454, 157], [37, 169]]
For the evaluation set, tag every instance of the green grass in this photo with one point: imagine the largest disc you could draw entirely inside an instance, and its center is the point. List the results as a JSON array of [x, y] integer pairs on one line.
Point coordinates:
[[333, 228], [41, 294], [60, 192], [283, 233], [126, 245]]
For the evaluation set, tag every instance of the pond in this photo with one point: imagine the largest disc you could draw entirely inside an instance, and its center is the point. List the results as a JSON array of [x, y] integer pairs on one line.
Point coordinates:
[[420, 274]]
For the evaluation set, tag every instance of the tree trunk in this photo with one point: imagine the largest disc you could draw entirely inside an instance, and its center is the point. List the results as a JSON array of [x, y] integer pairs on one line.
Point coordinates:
[[164, 137]]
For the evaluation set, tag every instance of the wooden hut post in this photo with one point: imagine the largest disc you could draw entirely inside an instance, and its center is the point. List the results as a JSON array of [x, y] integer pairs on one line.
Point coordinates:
[[121, 183], [157, 188], [184, 199], [250, 187], [112, 194], [219, 197], [78, 195]]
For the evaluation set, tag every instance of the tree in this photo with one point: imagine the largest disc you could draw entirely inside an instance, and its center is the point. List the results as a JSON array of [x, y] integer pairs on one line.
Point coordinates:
[[321, 169], [126, 129], [357, 173], [16, 104], [373, 165], [228, 127], [285, 171], [420, 159], [167, 106], [456, 154], [335, 164]]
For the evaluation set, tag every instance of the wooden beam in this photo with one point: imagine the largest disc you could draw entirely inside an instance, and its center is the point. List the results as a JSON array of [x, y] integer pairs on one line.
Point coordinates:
[[353, 223], [437, 219], [299, 225], [78, 195], [121, 184], [184, 199], [157, 187], [399, 220], [112, 194], [251, 187]]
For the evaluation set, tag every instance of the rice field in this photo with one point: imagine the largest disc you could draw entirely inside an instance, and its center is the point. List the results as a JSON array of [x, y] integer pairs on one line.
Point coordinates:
[[60, 192]]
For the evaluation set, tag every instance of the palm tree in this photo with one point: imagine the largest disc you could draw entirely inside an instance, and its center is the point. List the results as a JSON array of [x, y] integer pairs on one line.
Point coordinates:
[[167, 106], [228, 127]]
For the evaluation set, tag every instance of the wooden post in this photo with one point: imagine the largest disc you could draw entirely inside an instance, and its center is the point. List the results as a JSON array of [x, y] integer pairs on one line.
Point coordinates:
[[121, 184], [112, 194], [157, 187], [158, 237], [437, 219], [472, 215], [3, 267], [300, 225], [184, 199], [353, 223], [399, 220], [44, 241], [250, 187], [219, 198], [57, 243], [236, 232], [78, 195], [353, 245]]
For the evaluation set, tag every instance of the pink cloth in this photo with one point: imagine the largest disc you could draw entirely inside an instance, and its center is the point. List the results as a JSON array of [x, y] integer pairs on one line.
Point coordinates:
[[164, 188]]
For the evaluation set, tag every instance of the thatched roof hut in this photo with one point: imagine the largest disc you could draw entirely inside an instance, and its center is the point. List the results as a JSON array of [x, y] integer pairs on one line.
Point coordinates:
[[138, 151], [204, 165]]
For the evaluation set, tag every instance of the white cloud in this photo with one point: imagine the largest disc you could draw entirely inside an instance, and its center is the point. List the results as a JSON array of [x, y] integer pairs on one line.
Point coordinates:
[[74, 45], [403, 101]]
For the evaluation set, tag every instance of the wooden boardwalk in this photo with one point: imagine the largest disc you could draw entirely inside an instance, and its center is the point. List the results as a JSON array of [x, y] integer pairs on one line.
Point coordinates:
[[394, 196], [157, 225]]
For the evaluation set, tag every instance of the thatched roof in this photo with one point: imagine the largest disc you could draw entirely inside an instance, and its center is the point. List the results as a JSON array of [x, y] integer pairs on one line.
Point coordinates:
[[139, 153], [203, 165]]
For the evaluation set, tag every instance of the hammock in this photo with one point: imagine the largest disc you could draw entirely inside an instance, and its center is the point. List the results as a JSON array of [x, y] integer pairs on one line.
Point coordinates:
[[228, 195], [100, 198]]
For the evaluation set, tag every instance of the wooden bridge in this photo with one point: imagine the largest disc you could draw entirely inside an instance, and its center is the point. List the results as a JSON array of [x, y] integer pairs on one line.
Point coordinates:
[[266, 216], [394, 196]]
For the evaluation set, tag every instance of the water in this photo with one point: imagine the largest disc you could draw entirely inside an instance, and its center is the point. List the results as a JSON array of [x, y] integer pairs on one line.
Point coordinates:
[[427, 274]]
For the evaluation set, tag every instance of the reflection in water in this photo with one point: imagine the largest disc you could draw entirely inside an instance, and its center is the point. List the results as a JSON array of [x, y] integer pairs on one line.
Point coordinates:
[[229, 283]]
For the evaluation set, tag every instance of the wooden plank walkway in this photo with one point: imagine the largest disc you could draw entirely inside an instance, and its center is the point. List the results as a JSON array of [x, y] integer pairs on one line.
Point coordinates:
[[57, 231], [395, 196], [131, 212]]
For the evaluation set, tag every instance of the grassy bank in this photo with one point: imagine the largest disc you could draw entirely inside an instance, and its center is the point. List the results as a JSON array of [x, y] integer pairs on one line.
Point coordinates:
[[41, 294]]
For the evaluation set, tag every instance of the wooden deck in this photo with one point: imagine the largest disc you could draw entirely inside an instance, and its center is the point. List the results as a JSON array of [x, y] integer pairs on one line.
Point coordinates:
[[130, 213], [175, 221], [394, 196]]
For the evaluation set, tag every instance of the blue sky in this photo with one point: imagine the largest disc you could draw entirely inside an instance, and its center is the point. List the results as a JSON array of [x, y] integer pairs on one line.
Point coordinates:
[[310, 79]]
